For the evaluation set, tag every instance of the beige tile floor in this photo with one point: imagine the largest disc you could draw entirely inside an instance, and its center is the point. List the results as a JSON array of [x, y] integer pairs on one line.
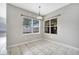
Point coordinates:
[[41, 47]]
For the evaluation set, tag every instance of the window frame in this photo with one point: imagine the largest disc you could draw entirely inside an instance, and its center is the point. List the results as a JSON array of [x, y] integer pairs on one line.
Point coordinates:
[[50, 25], [32, 26]]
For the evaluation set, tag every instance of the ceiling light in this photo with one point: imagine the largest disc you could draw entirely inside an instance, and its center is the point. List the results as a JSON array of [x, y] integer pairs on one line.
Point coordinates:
[[39, 17]]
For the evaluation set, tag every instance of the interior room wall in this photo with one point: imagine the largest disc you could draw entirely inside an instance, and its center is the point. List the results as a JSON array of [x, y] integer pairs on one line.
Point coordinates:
[[3, 10], [67, 24], [15, 28]]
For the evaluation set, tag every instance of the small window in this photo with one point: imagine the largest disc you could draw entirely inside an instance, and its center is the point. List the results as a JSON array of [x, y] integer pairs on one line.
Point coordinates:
[[35, 23], [54, 26], [27, 28], [46, 29], [35, 29], [35, 26], [47, 23], [30, 26]]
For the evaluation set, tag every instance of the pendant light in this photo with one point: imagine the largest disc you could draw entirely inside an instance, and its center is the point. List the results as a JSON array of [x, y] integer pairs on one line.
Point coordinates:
[[39, 17]]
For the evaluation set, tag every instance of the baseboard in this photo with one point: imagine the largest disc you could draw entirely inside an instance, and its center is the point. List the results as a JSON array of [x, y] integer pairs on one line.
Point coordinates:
[[22, 43], [62, 44]]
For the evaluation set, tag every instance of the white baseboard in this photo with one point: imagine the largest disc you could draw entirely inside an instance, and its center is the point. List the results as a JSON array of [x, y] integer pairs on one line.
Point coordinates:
[[62, 44], [22, 43]]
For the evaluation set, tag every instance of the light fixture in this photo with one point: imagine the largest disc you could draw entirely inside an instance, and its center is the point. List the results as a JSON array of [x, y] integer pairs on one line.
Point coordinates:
[[39, 17]]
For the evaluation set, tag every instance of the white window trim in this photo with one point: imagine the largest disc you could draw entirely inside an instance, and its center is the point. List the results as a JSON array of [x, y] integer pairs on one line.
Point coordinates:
[[33, 27], [49, 25]]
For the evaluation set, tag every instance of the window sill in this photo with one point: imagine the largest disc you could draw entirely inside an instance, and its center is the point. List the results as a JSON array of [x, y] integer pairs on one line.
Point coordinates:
[[31, 33], [50, 33]]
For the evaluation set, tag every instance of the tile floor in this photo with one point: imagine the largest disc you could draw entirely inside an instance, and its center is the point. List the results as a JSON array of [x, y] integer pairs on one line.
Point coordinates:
[[41, 47]]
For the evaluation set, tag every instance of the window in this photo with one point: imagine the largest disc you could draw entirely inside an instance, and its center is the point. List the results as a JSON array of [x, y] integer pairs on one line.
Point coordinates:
[[51, 26], [54, 26], [47, 26], [35, 26], [30, 25]]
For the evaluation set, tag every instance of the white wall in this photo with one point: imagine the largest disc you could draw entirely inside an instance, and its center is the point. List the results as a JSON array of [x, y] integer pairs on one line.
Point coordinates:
[[3, 13], [3, 10], [2, 16], [68, 25], [15, 28]]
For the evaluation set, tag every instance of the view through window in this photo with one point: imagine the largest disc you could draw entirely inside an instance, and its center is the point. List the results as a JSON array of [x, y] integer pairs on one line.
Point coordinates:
[[51, 26], [30, 25]]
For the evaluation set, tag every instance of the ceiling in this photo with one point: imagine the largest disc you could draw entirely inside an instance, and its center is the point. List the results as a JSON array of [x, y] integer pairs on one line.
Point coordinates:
[[45, 7]]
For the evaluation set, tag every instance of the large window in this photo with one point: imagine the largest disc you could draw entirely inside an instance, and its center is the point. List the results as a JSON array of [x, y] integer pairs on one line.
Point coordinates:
[[30, 25], [51, 26]]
